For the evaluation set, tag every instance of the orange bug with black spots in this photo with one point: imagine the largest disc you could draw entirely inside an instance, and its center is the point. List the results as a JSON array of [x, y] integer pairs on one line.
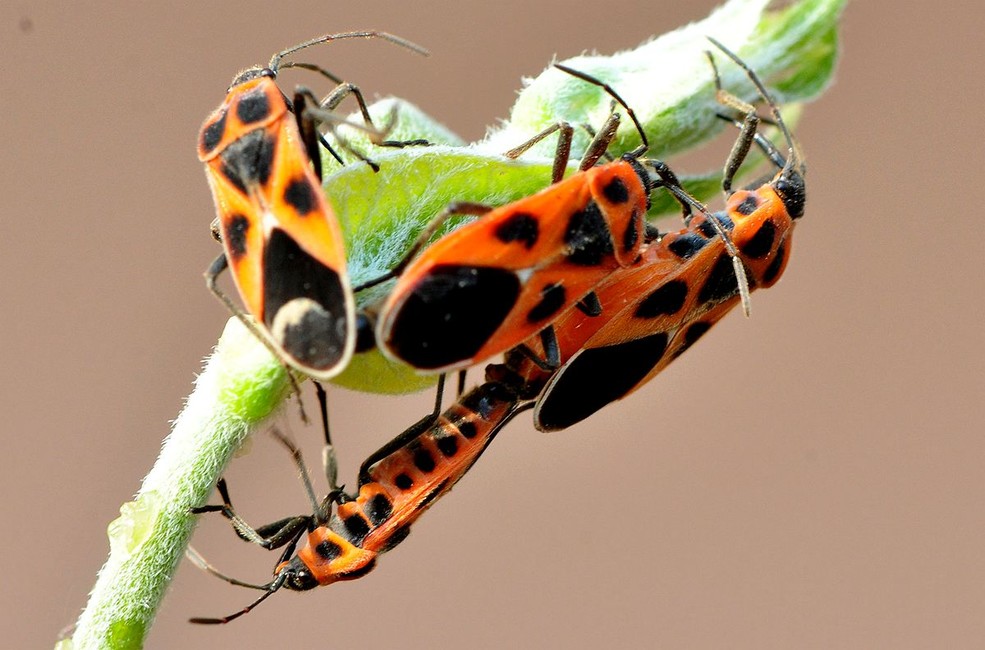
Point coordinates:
[[280, 237], [396, 485], [686, 281], [489, 285]]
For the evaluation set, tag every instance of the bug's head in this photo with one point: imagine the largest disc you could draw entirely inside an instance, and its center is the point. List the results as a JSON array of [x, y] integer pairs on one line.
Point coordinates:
[[251, 74], [295, 575], [788, 183]]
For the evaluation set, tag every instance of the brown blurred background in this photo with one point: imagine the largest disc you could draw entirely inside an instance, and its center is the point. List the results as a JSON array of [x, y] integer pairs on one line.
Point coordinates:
[[810, 478]]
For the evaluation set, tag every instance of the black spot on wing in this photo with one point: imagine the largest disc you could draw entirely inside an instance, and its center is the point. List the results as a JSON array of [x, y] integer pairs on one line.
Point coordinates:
[[615, 191], [248, 160], [378, 509], [721, 283], [212, 134], [316, 338], [663, 301], [235, 235], [468, 429], [707, 227], [357, 528], [403, 481], [776, 265], [760, 244], [519, 227], [596, 377], [687, 245], [748, 205], [300, 195], [328, 550], [587, 237], [631, 235], [447, 445], [253, 106], [552, 299], [451, 313], [423, 460]]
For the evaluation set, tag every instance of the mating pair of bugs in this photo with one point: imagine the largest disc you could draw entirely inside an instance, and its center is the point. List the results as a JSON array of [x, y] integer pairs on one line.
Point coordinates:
[[588, 301]]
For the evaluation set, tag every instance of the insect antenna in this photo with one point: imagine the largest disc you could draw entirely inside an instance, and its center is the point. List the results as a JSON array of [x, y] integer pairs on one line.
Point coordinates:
[[275, 60], [271, 589], [795, 159]]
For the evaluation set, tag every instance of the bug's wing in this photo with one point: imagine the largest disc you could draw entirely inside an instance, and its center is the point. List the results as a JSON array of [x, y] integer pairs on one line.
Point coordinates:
[[492, 284]]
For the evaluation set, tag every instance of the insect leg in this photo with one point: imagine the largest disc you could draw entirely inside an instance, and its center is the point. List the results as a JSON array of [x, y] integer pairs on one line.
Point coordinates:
[[561, 154], [270, 536], [475, 209], [412, 432]]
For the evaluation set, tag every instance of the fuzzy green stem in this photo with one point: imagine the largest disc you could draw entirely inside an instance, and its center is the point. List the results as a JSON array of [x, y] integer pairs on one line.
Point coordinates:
[[241, 386]]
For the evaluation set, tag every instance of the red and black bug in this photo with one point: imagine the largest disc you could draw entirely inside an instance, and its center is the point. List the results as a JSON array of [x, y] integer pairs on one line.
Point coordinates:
[[279, 234], [396, 485], [491, 284], [685, 282]]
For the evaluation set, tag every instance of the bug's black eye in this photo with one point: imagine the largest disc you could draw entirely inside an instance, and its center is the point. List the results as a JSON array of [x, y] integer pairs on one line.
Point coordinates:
[[793, 192]]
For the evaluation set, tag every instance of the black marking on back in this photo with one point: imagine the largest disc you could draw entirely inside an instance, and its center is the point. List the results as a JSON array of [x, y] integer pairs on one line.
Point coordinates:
[[318, 339], [663, 301], [707, 228], [521, 227], [596, 377], [632, 234], [552, 299], [687, 245], [447, 445], [300, 195], [748, 205], [357, 527], [468, 429], [403, 481], [328, 550], [762, 242], [776, 265], [248, 160], [212, 134], [615, 191], [451, 314], [253, 106], [587, 237], [422, 458], [378, 509], [721, 283], [235, 235]]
